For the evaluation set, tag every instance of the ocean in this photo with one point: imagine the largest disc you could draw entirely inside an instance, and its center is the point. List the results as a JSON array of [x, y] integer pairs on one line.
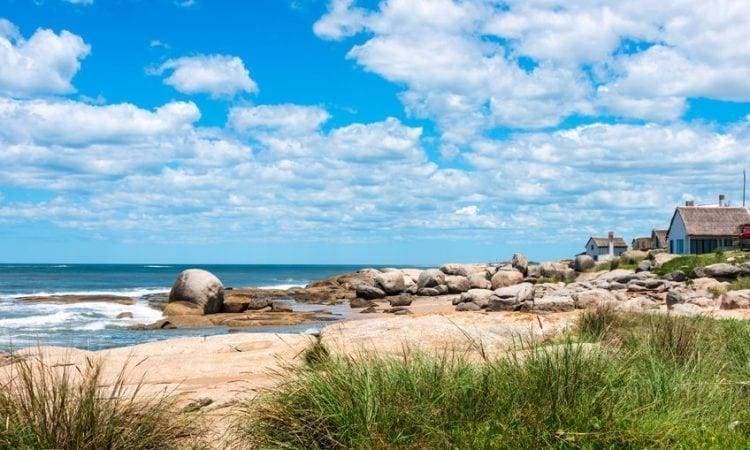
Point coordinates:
[[94, 325]]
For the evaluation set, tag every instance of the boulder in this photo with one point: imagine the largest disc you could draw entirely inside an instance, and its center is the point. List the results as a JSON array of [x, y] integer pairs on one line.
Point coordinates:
[[720, 270], [391, 282], [431, 278], [468, 306], [687, 309], [644, 266], [479, 296], [633, 256], [677, 275], [360, 303], [412, 273], [736, 299], [506, 278], [199, 287], [554, 303], [675, 297], [457, 284], [618, 276], [478, 280], [661, 258], [511, 297], [534, 270], [463, 270], [706, 284], [520, 263], [428, 292], [281, 306], [593, 298], [401, 300], [583, 263], [125, 315], [369, 292]]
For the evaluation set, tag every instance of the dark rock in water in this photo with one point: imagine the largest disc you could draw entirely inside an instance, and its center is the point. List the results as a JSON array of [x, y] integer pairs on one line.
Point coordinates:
[[199, 287], [401, 300], [360, 303], [369, 310], [369, 292], [162, 324], [398, 311], [69, 299], [125, 315]]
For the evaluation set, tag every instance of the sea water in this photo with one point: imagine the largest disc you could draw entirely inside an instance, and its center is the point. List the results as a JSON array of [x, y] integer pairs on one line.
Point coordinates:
[[94, 325]]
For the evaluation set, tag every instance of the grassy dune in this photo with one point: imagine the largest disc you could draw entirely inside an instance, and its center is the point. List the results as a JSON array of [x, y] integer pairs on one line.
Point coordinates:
[[618, 381]]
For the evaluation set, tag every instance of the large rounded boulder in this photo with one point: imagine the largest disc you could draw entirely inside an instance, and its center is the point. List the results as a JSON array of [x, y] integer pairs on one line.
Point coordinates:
[[200, 288], [431, 278], [583, 263], [391, 282]]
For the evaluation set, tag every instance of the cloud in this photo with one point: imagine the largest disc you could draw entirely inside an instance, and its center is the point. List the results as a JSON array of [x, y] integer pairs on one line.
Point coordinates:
[[474, 66], [81, 2], [286, 118], [217, 75], [45, 63]]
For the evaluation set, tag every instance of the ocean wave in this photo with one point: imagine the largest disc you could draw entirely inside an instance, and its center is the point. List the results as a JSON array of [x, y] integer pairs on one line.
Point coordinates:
[[156, 266], [89, 316], [134, 293], [46, 320]]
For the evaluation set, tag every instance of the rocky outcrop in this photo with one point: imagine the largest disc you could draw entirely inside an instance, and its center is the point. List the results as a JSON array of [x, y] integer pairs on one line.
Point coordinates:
[[391, 282], [736, 299], [457, 284], [504, 278], [511, 298], [479, 280], [721, 271], [431, 278], [367, 292], [199, 287], [520, 263]]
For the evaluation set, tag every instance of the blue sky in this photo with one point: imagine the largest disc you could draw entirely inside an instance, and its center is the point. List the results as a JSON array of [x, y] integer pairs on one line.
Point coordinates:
[[341, 131]]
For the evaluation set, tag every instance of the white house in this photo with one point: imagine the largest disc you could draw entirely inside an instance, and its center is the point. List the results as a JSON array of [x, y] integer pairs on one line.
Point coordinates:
[[605, 248], [704, 229]]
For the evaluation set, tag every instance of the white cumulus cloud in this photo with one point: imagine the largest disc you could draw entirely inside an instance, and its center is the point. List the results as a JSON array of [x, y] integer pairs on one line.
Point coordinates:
[[217, 75]]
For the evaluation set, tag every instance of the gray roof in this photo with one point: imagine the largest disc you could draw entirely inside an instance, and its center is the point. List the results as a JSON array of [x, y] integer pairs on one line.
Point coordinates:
[[713, 220], [604, 242]]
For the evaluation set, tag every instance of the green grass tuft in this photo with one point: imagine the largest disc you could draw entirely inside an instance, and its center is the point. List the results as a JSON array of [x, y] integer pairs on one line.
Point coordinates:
[[646, 381], [67, 407]]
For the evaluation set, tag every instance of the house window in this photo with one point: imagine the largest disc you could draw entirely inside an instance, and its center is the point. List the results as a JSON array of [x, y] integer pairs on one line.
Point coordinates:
[[728, 242]]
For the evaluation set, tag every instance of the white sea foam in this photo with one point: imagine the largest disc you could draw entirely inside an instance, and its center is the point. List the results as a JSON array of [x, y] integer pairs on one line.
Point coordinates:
[[37, 321], [88, 316], [135, 293]]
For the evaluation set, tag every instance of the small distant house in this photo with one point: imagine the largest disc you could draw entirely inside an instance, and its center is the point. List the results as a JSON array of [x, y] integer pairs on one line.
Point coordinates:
[[605, 248], [658, 239], [704, 229], [641, 243]]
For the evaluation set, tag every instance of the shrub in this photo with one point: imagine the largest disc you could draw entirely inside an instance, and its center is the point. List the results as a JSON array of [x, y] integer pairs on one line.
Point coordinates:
[[56, 407]]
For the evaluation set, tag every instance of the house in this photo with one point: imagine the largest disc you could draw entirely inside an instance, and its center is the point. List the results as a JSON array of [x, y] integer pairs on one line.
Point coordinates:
[[605, 248], [658, 239], [641, 243], [704, 229]]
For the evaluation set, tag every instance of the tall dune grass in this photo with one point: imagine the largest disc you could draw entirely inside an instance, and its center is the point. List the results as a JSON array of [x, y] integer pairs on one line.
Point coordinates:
[[636, 382], [52, 407]]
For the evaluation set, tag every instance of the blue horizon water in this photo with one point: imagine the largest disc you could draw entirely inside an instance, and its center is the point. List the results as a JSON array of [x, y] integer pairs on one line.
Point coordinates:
[[95, 326]]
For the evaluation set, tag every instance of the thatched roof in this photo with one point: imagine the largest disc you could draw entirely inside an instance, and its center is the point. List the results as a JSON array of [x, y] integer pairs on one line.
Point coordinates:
[[661, 235], [642, 242], [604, 242], [713, 220]]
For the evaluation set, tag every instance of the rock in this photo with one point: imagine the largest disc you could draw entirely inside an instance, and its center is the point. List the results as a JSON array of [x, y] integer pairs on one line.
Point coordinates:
[[520, 263], [412, 290], [391, 282], [369, 292], [506, 278], [457, 284], [644, 266], [675, 297], [720, 270], [534, 270], [369, 310], [463, 270], [258, 303], [677, 275], [661, 258], [593, 298], [179, 308], [468, 306], [646, 284], [412, 273], [687, 309], [401, 300], [583, 263], [199, 287], [702, 301], [618, 276], [197, 405], [428, 292], [736, 299], [554, 303], [480, 297], [442, 289], [430, 278], [125, 315], [280, 306], [510, 297], [706, 284], [237, 303], [633, 256], [360, 303], [478, 280]]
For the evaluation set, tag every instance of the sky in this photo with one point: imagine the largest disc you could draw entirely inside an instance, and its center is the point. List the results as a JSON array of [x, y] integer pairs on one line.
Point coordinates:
[[361, 131]]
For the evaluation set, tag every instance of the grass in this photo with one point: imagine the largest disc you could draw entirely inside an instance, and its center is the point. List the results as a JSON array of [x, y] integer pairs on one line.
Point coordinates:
[[689, 263], [739, 284], [66, 407], [617, 381]]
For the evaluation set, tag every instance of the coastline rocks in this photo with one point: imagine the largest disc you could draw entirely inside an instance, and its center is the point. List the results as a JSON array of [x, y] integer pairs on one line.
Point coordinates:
[[180, 308], [124, 315], [200, 288], [457, 284], [520, 263], [592, 298], [401, 300], [554, 303], [391, 282], [479, 280], [736, 299], [677, 275], [480, 297], [644, 266], [360, 303], [468, 306], [368, 292], [583, 263], [431, 278], [511, 297], [506, 278], [720, 270], [463, 270]]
